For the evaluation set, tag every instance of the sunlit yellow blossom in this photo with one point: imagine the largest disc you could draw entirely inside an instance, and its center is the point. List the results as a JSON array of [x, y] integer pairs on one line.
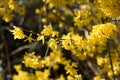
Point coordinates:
[[8, 8], [37, 11], [30, 60], [99, 35], [100, 61], [42, 75], [107, 30], [60, 3], [98, 78], [29, 38], [111, 8], [19, 76], [47, 30], [41, 37], [78, 77], [18, 67], [69, 77], [54, 33], [66, 42], [81, 1], [82, 18], [106, 66], [61, 78], [8, 17], [54, 58], [55, 67], [52, 44], [70, 70], [18, 33]]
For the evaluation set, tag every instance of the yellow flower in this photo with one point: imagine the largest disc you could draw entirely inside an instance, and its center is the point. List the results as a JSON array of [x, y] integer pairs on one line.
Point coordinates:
[[82, 18], [61, 78], [37, 11], [54, 33], [100, 61], [8, 8], [53, 44], [98, 78], [41, 37], [60, 3], [18, 67], [66, 42], [8, 17], [111, 8], [18, 33], [27, 76], [43, 75], [78, 77], [70, 70], [47, 30], [29, 38], [30, 60], [69, 77]]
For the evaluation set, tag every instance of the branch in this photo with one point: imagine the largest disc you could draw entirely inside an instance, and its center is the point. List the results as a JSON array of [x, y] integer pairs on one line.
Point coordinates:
[[20, 49], [92, 68]]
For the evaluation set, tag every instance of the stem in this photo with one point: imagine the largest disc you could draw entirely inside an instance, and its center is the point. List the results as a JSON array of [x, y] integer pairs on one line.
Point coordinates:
[[110, 57], [20, 49], [7, 56], [47, 51]]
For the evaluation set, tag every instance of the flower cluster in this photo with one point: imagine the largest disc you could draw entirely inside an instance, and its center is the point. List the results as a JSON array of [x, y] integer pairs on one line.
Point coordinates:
[[104, 61], [73, 32], [18, 33], [59, 3], [111, 8], [82, 18], [8, 7]]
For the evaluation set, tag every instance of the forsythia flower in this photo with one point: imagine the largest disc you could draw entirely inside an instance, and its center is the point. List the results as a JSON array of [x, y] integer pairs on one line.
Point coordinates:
[[107, 30], [47, 30], [29, 38], [60, 3], [100, 61], [8, 17], [18, 67], [43, 75], [61, 78], [98, 78], [104, 63], [19, 76], [41, 37], [30, 60], [82, 18], [18, 33], [99, 35], [53, 44], [111, 8], [81, 1], [8, 8]]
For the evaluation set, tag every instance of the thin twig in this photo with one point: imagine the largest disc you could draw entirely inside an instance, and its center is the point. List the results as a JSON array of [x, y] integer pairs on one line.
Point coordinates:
[[47, 51], [110, 57], [20, 49], [92, 68], [7, 55]]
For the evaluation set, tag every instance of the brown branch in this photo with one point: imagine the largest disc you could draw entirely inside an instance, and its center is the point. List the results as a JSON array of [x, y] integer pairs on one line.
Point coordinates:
[[6, 54], [111, 64], [92, 68], [20, 49]]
